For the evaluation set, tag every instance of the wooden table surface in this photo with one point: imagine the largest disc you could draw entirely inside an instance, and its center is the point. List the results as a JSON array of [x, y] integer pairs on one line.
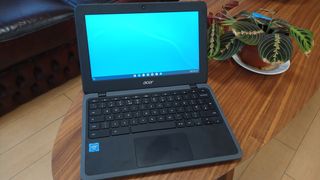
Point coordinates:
[[256, 106]]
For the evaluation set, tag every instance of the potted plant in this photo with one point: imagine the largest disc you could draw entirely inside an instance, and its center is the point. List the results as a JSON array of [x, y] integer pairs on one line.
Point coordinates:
[[260, 41]]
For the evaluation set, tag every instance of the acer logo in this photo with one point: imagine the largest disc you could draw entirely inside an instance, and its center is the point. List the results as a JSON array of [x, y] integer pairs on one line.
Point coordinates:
[[147, 82]]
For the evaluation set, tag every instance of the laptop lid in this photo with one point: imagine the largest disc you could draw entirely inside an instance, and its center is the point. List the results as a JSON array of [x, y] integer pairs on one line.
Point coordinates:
[[141, 45]]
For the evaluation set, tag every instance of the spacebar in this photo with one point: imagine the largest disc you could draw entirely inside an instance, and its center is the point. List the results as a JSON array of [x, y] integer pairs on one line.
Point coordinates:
[[153, 126]]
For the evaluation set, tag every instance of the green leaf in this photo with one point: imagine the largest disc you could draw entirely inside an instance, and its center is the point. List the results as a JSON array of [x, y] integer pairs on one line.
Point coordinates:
[[275, 48], [303, 37], [229, 46], [247, 32], [214, 33]]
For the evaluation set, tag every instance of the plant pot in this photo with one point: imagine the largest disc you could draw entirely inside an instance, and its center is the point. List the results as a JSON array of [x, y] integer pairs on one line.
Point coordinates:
[[250, 55]]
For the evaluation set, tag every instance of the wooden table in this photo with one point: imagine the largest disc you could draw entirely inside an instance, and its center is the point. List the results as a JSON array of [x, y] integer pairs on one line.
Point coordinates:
[[256, 106]]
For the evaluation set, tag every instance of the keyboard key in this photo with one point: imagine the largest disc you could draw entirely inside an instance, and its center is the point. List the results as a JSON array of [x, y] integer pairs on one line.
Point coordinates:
[[167, 104], [104, 125], [116, 110], [208, 120], [125, 97], [152, 119], [169, 118], [189, 123], [95, 112], [186, 96], [205, 107], [195, 114], [180, 109], [194, 96], [137, 114], [187, 115], [127, 115], [119, 131], [118, 116], [99, 133], [135, 97], [176, 104], [178, 116], [114, 124], [197, 122], [119, 103], [161, 118], [180, 124], [171, 110], [101, 105], [129, 102], [212, 113], [146, 100], [143, 107], [154, 112], [96, 119], [111, 104], [134, 122], [196, 107], [104, 99], [143, 120], [134, 108], [192, 102], [93, 106], [137, 101], [109, 117], [106, 111], [215, 120], [153, 126], [94, 126], [146, 113], [154, 99], [170, 98], [184, 103], [151, 106], [163, 111], [159, 105], [115, 98], [162, 99], [93, 100], [124, 123], [125, 109], [189, 109], [178, 98]]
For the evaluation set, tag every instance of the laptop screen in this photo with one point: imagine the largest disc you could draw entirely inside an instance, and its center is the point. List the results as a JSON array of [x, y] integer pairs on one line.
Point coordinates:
[[137, 45]]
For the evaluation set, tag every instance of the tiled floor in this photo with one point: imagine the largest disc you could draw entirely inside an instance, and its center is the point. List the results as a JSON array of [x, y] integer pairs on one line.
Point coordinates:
[[27, 135]]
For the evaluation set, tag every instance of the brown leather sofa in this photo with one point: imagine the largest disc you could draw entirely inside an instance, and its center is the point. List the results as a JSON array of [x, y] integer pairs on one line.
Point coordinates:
[[37, 47]]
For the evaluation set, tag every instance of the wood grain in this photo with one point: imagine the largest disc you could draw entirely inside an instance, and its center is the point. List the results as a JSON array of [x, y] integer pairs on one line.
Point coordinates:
[[256, 106]]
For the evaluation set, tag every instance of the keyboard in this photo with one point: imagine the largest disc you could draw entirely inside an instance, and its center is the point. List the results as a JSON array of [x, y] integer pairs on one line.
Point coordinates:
[[114, 116]]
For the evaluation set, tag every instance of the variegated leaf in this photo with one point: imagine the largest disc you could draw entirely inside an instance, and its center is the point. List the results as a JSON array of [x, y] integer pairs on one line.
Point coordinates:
[[275, 48], [303, 37], [213, 36], [247, 32], [229, 46]]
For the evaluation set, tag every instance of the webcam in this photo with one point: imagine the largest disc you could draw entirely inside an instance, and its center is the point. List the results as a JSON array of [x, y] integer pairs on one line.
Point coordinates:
[[143, 6]]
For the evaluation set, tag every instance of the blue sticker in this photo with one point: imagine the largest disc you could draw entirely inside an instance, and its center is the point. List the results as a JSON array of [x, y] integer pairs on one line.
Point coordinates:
[[261, 16], [94, 147]]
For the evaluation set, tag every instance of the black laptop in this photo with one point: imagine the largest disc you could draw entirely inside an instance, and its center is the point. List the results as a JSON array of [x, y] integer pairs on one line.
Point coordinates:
[[147, 106]]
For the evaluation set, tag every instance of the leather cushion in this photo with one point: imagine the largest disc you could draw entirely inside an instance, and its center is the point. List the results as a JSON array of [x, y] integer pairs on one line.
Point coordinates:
[[20, 17]]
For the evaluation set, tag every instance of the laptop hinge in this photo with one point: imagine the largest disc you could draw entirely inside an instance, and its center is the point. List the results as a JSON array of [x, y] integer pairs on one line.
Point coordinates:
[[193, 86], [101, 94]]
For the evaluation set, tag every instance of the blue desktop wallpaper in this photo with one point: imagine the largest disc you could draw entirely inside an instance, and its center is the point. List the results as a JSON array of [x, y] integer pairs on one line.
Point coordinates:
[[129, 45]]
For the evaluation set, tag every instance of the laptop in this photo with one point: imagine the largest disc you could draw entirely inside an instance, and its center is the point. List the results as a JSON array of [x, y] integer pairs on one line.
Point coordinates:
[[146, 104]]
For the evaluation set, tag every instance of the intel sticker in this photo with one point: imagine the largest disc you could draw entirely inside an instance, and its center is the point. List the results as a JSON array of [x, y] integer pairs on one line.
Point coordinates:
[[94, 147]]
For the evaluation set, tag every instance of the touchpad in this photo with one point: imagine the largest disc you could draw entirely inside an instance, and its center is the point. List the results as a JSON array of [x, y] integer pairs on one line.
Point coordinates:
[[162, 149]]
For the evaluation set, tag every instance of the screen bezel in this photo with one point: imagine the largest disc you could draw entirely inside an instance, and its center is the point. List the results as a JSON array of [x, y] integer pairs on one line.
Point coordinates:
[[90, 86]]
